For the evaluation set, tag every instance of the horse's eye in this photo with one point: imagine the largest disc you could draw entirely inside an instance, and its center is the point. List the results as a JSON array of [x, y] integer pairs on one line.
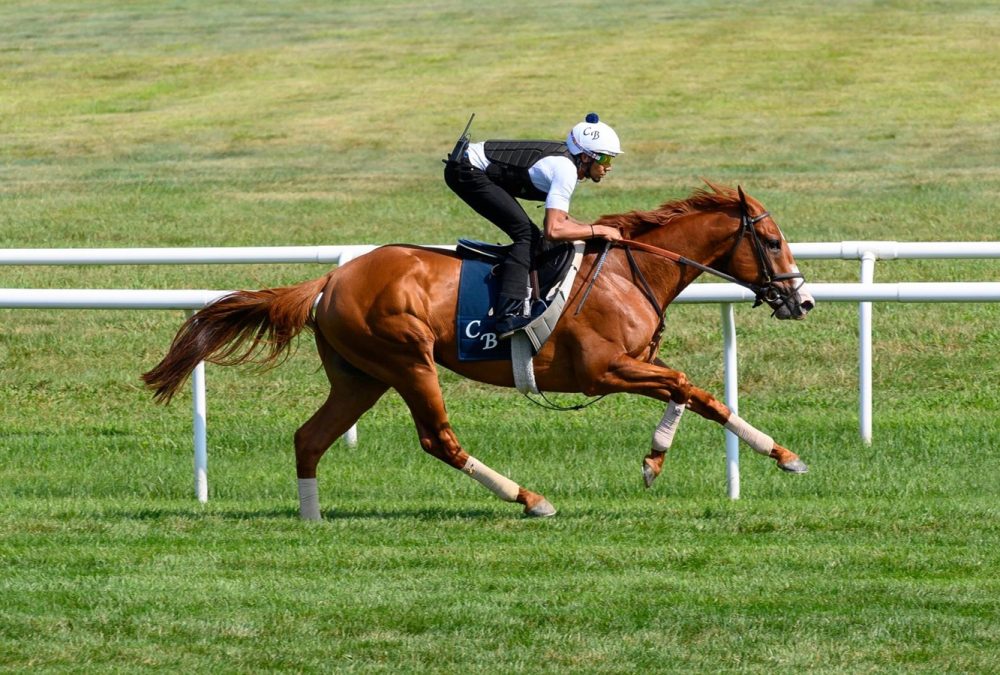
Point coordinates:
[[774, 244]]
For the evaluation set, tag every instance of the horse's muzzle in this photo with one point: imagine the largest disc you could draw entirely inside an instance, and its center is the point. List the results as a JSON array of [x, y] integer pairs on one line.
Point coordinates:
[[793, 304]]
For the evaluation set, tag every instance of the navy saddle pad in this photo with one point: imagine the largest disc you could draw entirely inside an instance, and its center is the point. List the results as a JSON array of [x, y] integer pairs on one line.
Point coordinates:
[[478, 289]]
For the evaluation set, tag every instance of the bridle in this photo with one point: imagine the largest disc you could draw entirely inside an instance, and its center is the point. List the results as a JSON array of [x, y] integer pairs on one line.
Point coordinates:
[[766, 291]]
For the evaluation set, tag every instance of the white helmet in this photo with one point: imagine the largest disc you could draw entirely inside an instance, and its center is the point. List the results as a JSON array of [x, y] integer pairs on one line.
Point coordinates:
[[593, 137]]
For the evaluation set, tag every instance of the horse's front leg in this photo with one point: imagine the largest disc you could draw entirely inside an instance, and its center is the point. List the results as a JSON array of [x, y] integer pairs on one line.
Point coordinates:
[[706, 405], [663, 438], [658, 381]]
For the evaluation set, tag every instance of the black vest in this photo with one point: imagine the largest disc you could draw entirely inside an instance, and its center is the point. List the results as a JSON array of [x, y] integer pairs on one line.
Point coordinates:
[[510, 161]]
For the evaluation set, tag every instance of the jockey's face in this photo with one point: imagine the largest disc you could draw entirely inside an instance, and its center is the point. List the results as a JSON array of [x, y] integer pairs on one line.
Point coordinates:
[[592, 170]]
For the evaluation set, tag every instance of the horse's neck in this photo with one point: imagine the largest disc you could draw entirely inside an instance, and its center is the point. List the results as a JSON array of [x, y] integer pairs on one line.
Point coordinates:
[[702, 237]]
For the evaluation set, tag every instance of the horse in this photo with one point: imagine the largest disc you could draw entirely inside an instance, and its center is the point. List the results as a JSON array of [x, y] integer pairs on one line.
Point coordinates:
[[387, 319]]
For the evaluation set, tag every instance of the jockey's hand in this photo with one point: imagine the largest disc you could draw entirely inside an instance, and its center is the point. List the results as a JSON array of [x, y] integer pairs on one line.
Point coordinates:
[[607, 232]]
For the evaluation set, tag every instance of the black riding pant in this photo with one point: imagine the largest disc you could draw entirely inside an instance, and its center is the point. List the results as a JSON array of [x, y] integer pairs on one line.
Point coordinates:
[[496, 205]]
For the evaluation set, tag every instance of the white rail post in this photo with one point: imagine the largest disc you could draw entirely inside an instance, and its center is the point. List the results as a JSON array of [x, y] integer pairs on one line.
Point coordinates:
[[199, 406], [732, 399], [865, 351]]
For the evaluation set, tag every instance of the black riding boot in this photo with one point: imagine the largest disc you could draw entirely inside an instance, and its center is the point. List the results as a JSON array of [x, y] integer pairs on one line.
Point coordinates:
[[512, 316]]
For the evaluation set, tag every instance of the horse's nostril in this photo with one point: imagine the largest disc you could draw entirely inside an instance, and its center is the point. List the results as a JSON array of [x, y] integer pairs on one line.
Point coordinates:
[[807, 305]]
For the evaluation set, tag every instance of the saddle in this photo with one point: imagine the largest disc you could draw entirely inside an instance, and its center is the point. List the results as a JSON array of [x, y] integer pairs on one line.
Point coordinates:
[[547, 268], [552, 273]]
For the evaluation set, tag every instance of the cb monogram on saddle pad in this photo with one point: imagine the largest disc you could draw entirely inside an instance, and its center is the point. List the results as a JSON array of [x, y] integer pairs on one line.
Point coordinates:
[[476, 319]]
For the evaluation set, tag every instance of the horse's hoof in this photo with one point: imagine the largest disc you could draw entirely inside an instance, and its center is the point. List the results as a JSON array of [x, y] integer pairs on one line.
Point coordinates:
[[542, 509], [794, 466], [648, 475]]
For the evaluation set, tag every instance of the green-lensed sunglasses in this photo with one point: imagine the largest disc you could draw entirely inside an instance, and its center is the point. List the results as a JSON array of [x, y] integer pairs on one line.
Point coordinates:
[[603, 160]]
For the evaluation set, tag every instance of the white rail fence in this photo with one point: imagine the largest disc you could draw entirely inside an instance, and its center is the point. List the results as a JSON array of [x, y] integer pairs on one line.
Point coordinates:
[[864, 293]]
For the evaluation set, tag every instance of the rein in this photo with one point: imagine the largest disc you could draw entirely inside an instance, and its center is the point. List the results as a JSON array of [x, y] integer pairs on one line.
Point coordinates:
[[765, 292], [760, 291]]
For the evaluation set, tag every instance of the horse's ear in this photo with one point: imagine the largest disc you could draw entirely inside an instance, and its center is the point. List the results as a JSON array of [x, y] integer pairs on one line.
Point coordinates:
[[715, 188], [743, 196]]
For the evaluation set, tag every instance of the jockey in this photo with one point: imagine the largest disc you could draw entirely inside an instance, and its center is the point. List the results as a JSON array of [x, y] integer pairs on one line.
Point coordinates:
[[488, 176]]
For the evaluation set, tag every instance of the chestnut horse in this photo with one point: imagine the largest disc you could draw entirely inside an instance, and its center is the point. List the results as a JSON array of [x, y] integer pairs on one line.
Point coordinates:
[[385, 319]]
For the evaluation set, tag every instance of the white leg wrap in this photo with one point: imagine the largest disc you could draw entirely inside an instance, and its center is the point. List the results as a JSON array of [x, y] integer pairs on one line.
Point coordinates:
[[309, 499], [663, 436], [757, 440], [501, 486]]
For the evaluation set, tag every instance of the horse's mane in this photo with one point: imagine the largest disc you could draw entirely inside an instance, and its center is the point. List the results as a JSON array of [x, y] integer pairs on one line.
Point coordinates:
[[635, 223]]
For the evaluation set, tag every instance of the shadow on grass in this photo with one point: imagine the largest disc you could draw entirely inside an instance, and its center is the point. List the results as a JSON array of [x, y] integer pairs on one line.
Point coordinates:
[[429, 514]]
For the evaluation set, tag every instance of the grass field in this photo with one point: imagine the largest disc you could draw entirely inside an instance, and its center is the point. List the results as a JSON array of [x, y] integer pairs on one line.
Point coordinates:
[[257, 123]]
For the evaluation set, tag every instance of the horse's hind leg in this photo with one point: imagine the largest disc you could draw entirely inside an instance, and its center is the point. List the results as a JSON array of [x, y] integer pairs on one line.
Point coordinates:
[[352, 393], [423, 396]]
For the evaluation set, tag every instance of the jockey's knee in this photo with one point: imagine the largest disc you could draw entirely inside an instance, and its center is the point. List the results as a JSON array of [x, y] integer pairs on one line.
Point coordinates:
[[522, 232]]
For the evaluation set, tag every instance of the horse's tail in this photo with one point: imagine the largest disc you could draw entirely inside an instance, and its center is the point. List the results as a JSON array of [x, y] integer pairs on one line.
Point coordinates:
[[245, 326]]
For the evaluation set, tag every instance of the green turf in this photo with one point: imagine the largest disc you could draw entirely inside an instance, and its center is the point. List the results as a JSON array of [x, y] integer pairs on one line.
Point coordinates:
[[298, 123]]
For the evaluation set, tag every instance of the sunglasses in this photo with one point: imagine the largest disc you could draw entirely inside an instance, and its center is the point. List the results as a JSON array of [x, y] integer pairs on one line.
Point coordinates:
[[603, 160]]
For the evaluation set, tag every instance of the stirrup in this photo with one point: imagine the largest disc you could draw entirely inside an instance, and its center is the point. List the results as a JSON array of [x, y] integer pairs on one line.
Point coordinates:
[[512, 323]]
